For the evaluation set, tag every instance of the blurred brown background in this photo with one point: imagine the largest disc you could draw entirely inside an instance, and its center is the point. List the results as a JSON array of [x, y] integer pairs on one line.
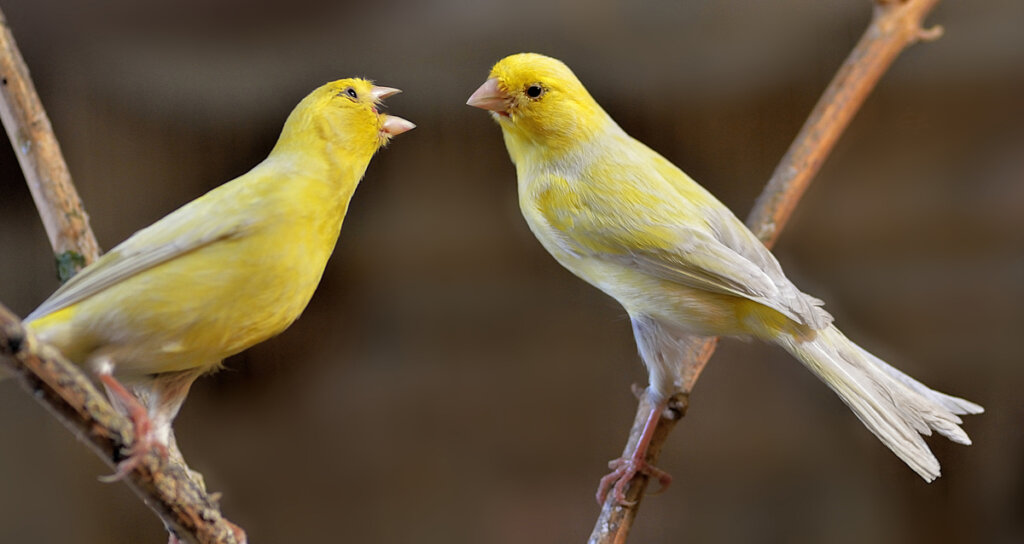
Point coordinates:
[[450, 382]]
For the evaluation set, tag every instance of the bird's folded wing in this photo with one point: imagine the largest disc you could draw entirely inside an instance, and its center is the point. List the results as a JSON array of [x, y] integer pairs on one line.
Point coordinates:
[[708, 266], [187, 229], [653, 235]]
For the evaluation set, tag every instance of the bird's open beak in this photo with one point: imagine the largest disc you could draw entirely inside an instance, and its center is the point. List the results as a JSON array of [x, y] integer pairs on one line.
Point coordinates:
[[490, 97], [393, 126], [380, 93]]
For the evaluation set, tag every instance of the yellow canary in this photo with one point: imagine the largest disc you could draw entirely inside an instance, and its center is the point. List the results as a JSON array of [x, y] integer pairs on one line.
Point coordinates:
[[223, 272], [629, 222]]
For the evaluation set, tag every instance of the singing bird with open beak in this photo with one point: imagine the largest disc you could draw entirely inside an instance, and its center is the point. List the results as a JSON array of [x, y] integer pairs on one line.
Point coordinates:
[[626, 220], [223, 272]]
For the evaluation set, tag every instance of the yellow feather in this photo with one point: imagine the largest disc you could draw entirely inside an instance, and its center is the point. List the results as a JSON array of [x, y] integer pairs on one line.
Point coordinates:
[[625, 219], [233, 267]]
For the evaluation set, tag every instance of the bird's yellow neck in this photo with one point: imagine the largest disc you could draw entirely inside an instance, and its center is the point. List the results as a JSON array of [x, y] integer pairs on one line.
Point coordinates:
[[325, 144], [555, 138], [315, 149], [567, 147]]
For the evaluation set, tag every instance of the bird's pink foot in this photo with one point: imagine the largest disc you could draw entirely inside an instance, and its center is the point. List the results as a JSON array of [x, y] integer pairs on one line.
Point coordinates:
[[623, 472], [145, 437], [625, 468]]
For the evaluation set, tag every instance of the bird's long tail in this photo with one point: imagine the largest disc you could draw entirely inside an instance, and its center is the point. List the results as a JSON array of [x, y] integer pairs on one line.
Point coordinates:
[[894, 406]]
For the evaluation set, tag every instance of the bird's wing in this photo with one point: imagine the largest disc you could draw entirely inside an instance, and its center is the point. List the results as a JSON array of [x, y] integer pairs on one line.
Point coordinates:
[[724, 225], [647, 231], [633, 212], [187, 229], [729, 231], [713, 266]]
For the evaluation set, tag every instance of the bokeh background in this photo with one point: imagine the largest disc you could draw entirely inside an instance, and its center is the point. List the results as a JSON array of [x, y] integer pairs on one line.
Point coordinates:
[[449, 381]]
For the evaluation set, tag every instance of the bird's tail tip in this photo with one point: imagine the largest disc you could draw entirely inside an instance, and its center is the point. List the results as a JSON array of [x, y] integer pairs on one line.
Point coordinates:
[[895, 407]]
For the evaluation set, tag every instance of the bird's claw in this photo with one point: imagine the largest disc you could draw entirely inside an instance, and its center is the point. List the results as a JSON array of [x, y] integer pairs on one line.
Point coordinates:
[[623, 472], [134, 454], [145, 437]]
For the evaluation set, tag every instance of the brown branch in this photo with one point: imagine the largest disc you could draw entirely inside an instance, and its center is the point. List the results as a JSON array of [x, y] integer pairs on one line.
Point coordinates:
[[49, 181], [895, 24], [61, 387], [176, 493]]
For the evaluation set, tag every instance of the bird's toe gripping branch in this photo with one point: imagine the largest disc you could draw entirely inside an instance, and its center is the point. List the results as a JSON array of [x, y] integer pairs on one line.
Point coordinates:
[[145, 435], [623, 471], [627, 467]]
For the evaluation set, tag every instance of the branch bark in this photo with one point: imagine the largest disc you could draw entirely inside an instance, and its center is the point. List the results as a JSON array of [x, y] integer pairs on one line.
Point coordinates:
[[173, 491], [167, 488], [49, 181], [895, 24]]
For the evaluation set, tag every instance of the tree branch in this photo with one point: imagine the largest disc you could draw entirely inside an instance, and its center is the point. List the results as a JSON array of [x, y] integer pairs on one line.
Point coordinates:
[[170, 489], [895, 24], [49, 181], [61, 387]]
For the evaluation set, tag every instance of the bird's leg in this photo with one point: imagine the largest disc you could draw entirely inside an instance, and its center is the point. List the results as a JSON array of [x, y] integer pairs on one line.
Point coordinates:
[[625, 468], [129, 404]]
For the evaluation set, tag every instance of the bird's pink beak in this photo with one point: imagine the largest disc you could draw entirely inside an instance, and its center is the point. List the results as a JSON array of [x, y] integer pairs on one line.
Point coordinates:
[[393, 126], [490, 97], [380, 93]]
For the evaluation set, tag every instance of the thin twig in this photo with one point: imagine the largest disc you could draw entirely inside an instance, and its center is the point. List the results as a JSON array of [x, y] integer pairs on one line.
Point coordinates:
[[895, 24], [49, 181], [171, 489]]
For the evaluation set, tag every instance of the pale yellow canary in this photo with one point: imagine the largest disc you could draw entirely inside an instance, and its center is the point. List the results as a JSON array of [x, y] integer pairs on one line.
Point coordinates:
[[623, 218], [223, 272]]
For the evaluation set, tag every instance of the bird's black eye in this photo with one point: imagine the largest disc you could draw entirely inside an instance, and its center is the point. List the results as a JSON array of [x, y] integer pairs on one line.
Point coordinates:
[[351, 93], [534, 91]]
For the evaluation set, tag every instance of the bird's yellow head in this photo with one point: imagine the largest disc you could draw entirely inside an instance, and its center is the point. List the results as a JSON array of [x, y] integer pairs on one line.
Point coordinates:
[[343, 118], [538, 100]]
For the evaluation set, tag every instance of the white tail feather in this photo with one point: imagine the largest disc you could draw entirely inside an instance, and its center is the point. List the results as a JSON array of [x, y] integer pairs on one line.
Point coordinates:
[[953, 404], [894, 406]]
